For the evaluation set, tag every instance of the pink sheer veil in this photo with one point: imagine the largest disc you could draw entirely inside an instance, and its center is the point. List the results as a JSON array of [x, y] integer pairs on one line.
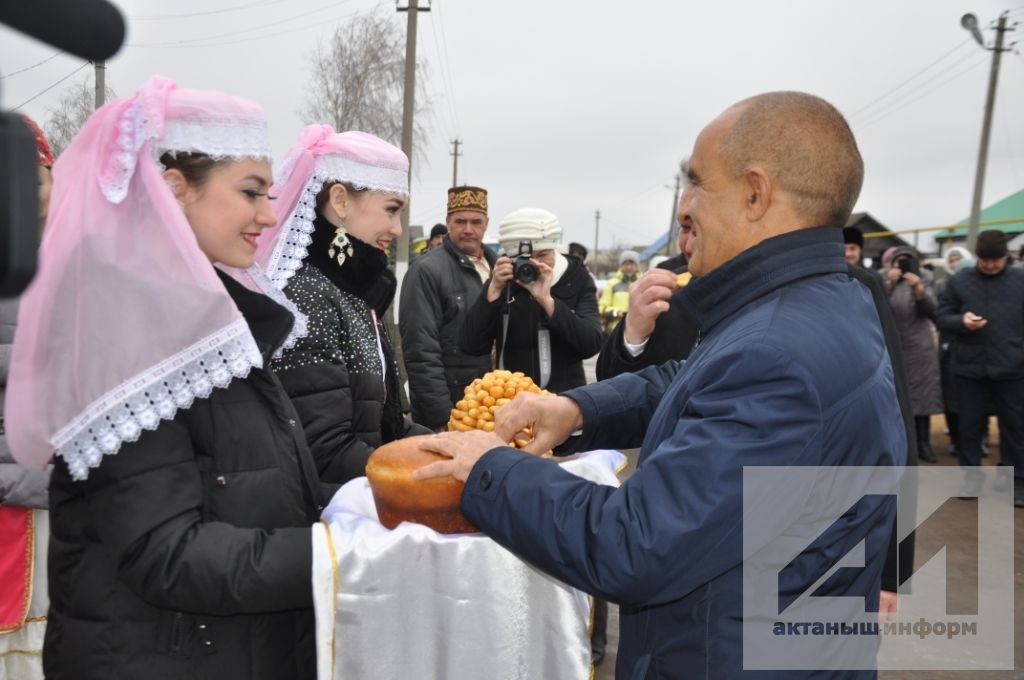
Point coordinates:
[[321, 156], [126, 321]]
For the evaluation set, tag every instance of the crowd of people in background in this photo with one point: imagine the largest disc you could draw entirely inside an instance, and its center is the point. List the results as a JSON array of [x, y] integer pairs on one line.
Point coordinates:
[[258, 370], [961, 329]]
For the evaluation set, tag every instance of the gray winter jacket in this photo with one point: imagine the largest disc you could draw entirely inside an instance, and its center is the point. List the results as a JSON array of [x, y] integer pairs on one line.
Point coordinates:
[[18, 486]]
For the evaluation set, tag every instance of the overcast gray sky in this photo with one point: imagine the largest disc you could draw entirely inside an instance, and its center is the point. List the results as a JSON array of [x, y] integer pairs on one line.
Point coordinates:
[[579, 106]]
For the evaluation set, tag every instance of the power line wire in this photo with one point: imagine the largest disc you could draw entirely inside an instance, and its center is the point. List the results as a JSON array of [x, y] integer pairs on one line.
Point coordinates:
[[318, 24], [453, 130], [908, 80], [40, 94], [447, 121], [1005, 128], [978, 58], [192, 42], [447, 67], [237, 8], [29, 68], [872, 120]]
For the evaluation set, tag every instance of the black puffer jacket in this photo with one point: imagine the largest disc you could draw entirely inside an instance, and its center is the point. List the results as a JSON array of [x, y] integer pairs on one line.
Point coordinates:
[[188, 553], [673, 338], [347, 404], [574, 328], [997, 350], [436, 295]]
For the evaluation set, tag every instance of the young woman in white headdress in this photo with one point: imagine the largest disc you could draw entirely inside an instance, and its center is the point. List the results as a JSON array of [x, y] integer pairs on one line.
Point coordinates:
[[341, 196], [182, 506]]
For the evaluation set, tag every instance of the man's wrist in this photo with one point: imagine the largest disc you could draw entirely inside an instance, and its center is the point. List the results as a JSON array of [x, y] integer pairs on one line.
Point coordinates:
[[634, 349], [630, 336]]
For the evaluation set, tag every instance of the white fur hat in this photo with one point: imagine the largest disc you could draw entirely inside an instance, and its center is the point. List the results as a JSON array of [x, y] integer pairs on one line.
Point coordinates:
[[629, 256], [537, 226]]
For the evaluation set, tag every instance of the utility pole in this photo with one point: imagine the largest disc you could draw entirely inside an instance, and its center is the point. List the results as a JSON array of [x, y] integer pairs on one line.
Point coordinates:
[[597, 225], [408, 106], [100, 78], [673, 237], [455, 163], [970, 23]]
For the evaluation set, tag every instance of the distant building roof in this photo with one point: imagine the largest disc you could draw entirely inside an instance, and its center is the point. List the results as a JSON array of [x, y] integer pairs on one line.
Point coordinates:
[[653, 249], [1008, 215], [874, 246]]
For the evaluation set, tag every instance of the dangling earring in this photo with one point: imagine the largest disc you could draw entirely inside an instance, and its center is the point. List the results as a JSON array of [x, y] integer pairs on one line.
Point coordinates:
[[340, 247]]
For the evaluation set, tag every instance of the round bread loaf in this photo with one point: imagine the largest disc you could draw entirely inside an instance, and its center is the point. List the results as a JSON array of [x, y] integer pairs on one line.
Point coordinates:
[[400, 498]]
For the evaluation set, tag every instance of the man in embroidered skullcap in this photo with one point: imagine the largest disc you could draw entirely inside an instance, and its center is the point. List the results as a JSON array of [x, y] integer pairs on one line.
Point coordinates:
[[436, 295]]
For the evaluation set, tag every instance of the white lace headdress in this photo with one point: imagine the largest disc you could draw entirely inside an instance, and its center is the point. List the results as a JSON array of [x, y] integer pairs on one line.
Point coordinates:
[[126, 321], [320, 157]]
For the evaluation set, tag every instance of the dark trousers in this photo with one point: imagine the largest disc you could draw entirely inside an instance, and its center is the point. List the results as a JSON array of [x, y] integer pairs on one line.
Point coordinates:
[[975, 397], [953, 425]]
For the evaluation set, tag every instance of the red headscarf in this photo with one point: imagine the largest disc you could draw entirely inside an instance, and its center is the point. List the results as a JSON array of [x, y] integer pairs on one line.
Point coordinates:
[[45, 153]]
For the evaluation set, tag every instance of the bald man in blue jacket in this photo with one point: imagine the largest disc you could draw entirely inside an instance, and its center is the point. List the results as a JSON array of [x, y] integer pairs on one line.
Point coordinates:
[[790, 369]]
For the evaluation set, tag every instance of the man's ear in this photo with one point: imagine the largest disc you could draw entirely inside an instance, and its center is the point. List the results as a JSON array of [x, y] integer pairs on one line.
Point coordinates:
[[177, 183], [340, 200], [760, 190]]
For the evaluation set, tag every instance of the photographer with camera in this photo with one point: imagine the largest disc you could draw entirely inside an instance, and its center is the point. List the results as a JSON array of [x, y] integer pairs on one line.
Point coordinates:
[[913, 303], [539, 308]]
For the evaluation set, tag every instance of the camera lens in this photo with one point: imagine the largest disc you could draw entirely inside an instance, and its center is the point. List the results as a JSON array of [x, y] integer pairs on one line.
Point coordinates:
[[525, 271]]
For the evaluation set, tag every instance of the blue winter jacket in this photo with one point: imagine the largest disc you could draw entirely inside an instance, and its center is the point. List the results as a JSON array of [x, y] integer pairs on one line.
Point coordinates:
[[791, 369]]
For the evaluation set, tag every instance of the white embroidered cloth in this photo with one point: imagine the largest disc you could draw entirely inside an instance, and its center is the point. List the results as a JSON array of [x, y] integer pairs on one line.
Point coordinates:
[[412, 603]]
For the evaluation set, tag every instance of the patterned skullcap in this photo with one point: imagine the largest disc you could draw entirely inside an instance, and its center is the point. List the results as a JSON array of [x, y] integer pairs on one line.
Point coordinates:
[[467, 198]]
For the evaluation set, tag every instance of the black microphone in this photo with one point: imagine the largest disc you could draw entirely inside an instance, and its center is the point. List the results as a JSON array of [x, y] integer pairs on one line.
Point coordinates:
[[91, 29]]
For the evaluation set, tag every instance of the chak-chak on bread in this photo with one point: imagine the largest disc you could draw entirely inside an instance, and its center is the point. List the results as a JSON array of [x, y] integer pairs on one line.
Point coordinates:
[[484, 396], [435, 502]]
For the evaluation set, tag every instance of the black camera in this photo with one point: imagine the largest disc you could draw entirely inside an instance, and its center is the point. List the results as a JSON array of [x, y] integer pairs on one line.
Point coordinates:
[[908, 265], [523, 270]]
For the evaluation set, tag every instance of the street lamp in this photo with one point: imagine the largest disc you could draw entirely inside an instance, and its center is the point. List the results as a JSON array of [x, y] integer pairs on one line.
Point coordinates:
[[970, 22]]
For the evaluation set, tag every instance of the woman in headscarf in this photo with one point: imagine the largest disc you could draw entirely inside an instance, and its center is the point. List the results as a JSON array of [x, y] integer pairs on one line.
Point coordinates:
[[24, 525], [180, 514], [913, 305], [341, 196]]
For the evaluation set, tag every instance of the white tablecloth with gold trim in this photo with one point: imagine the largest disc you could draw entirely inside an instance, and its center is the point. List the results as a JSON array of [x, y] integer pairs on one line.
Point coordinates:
[[412, 603]]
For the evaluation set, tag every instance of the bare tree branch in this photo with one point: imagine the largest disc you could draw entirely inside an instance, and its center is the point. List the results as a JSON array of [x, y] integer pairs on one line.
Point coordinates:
[[357, 80], [76, 104]]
